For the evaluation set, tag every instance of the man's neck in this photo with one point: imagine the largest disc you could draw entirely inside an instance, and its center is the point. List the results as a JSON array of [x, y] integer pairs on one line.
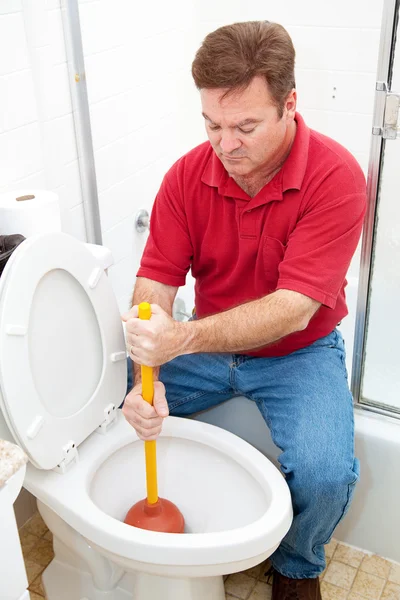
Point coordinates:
[[252, 184]]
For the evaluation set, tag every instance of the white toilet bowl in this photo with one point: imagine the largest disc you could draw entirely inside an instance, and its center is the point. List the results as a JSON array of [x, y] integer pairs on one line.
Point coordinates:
[[236, 504]]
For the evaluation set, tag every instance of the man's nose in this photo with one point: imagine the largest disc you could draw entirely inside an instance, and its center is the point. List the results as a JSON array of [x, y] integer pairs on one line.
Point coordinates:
[[229, 142]]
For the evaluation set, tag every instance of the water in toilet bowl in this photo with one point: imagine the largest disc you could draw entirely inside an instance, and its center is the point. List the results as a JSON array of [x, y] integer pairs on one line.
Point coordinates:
[[213, 491]]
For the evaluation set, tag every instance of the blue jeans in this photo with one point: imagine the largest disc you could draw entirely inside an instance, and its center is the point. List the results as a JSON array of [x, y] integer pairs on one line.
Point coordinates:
[[305, 400]]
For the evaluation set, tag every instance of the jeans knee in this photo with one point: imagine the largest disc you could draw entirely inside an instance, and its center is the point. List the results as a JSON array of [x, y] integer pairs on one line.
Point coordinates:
[[327, 480]]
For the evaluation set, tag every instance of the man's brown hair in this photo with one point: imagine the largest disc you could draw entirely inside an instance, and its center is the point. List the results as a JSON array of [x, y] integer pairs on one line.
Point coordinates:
[[231, 56]]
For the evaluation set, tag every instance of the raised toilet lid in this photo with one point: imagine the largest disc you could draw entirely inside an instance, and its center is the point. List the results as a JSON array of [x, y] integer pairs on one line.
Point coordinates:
[[62, 347]]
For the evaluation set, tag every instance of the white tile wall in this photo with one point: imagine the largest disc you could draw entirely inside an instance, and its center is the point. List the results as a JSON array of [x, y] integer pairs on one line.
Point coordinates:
[[338, 49], [108, 73], [49, 77], [10, 6], [124, 199], [340, 91], [20, 153], [72, 190], [75, 222], [101, 24], [37, 134], [50, 4], [35, 181], [56, 35], [36, 23], [355, 14], [14, 49], [15, 111], [122, 276], [145, 111]]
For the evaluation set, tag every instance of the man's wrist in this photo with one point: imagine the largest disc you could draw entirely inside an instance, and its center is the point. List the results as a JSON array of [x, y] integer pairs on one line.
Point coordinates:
[[188, 337]]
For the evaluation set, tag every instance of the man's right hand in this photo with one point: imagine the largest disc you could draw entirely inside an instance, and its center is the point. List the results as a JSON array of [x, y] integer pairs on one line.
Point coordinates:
[[146, 419]]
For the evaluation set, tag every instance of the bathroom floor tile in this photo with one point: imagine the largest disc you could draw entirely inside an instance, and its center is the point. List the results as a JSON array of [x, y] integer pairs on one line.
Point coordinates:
[[353, 596], [349, 556], [263, 573], [42, 553], [36, 525], [367, 585], [391, 591], [376, 565], [254, 572], [239, 585], [340, 574], [28, 541], [25, 535], [36, 586], [330, 548], [332, 592], [32, 570], [48, 536], [262, 591], [328, 560], [394, 574]]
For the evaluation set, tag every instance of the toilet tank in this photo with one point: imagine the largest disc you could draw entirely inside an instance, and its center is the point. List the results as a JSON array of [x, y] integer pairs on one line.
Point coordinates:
[[241, 416], [102, 254]]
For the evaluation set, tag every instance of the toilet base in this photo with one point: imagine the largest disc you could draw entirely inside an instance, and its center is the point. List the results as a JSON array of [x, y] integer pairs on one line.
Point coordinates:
[[79, 572], [64, 582]]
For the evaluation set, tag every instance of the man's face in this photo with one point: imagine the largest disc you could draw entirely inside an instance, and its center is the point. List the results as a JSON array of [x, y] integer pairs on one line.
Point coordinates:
[[244, 128]]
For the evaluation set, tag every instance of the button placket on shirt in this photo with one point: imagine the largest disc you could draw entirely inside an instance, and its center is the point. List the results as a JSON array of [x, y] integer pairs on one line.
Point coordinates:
[[248, 224]]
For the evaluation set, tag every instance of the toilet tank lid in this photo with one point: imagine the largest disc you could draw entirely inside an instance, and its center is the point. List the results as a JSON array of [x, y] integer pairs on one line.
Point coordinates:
[[62, 347]]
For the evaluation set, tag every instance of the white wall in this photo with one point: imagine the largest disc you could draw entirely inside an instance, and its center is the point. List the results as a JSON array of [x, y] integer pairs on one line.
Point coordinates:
[[143, 113], [144, 108], [37, 136]]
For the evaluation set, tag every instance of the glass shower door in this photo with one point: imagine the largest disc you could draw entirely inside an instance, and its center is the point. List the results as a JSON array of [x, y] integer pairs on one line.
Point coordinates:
[[378, 370]]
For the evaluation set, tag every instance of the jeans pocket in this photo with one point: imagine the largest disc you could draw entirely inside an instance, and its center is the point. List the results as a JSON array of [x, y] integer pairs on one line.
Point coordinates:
[[328, 341]]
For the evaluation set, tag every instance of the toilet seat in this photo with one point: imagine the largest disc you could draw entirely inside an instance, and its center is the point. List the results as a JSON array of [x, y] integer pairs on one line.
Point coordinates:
[[57, 385]]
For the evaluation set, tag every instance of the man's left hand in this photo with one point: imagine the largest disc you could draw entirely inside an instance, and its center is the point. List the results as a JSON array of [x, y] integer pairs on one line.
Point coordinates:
[[155, 341]]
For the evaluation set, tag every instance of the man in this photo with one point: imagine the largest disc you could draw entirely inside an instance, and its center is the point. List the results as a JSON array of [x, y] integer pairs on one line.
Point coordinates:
[[267, 214]]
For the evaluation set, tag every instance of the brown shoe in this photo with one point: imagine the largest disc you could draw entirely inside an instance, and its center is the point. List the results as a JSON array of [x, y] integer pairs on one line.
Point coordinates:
[[284, 588]]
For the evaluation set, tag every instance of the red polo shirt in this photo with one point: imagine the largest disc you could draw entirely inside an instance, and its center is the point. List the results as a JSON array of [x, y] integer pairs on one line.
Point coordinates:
[[298, 233]]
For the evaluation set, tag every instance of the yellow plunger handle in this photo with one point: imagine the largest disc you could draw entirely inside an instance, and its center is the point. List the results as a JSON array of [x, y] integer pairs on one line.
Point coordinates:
[[150, 448]]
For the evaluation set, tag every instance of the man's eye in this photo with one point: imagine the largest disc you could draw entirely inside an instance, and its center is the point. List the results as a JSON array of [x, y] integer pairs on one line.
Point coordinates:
[[246, 130], [214, 127]]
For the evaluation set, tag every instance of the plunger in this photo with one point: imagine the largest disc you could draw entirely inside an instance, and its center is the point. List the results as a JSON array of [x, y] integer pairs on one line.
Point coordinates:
[[153, 513]]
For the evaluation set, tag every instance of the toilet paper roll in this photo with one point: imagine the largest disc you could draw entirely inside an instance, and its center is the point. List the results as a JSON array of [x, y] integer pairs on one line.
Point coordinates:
[[29, 212]]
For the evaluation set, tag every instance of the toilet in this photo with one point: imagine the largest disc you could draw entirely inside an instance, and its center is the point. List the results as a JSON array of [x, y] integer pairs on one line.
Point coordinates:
[[62, 378]]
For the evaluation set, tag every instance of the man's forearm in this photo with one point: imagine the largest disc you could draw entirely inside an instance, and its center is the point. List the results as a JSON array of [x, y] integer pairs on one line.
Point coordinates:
[[147, 290], [249, 326]]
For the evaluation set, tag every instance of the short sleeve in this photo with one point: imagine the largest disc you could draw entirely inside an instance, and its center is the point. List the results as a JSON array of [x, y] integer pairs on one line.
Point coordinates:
[[168, 252], [321, 246]]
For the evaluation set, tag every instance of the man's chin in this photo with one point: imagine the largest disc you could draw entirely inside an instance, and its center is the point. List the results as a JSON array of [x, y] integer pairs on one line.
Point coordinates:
[[236, 170]]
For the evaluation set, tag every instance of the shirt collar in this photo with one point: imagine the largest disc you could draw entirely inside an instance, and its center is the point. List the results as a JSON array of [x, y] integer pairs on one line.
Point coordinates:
[[289, 177]]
